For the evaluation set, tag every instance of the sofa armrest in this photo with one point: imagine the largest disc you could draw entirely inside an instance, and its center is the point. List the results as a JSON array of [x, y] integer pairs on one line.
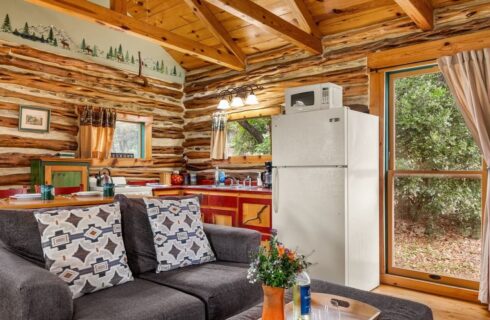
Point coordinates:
[[232, 244], [29, 292]]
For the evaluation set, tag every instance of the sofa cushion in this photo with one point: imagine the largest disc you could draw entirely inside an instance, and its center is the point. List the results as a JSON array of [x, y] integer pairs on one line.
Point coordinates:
[[178, 233], [223, 286], [138, 237], [84, 247], [141, 300], [20, 234], [137, 233]]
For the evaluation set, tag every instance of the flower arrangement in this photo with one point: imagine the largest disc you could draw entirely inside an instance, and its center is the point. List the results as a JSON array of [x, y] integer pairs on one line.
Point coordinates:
[[276, 266]]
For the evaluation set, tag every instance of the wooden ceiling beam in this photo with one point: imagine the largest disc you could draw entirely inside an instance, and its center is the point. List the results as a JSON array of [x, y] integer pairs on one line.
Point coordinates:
[[420, 11], [203, 12], [120, 6], [259, 16], [305, 19], [101, 15]]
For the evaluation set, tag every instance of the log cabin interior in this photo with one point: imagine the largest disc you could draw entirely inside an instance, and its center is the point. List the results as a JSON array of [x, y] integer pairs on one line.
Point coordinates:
[[157, 159]]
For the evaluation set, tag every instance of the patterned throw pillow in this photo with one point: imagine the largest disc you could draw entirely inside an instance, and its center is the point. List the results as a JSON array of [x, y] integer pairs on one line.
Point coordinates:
[[178, 233], [84, 247]]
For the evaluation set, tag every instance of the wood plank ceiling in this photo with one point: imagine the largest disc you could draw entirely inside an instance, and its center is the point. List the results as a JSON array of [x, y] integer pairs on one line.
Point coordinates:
[[206, 30]]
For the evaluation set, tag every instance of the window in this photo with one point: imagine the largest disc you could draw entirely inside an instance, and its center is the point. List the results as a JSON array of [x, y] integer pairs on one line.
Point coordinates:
[[434, 185], [128, 138], [249, 137]]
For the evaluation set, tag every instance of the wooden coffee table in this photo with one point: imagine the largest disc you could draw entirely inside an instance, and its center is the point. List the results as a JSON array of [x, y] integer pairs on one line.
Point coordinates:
[[348, 309]]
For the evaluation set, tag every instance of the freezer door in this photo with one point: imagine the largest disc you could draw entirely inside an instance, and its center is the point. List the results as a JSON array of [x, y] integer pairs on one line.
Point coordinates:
[[309, 215], [315, 138]]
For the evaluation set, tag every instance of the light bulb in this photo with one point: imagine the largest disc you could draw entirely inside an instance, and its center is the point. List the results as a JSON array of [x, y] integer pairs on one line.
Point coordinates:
[[251, 99], [237, 102], [223, 104]]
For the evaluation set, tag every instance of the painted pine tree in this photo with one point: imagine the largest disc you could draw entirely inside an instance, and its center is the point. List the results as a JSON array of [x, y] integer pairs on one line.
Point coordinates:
[[55, 42], [6, 27], [162, 67], [174, 71], [157, 67], [51, 35], [94, 52], [110, 54], [126, 58], [120, 51], [84, 45], [132, 60], [26, 29]]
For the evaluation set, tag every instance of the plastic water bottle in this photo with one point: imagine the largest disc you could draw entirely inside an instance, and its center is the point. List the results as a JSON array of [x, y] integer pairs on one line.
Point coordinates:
[[302, 297]]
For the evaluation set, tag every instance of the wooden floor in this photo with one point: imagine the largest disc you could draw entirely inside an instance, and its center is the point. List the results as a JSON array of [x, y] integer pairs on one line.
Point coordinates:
[[442, 308]]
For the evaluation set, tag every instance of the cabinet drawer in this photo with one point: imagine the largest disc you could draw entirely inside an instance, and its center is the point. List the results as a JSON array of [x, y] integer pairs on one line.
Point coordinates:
[[220, 201], [218, 216], [171, 192]]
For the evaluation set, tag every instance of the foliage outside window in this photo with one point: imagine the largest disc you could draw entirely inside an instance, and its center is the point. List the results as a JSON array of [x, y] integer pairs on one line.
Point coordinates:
[[248, 137], [435, 173], [128, 138]]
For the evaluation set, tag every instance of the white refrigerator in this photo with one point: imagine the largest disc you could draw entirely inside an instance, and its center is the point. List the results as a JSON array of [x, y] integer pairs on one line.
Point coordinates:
[[325, 192]]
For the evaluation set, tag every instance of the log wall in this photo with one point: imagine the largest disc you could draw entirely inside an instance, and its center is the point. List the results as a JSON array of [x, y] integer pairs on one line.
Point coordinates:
[[343, 62], [33, 77]]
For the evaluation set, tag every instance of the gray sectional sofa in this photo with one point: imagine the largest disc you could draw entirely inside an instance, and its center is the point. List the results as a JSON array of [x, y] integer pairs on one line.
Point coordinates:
[[212, 291]]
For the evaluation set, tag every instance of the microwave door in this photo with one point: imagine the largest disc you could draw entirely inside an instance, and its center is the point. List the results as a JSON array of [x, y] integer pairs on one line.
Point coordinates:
[[303, 99]]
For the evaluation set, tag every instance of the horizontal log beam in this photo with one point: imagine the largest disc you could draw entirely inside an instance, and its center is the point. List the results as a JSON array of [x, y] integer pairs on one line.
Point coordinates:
[[420, 11], [12, 141], [98, 14], [261, 17]]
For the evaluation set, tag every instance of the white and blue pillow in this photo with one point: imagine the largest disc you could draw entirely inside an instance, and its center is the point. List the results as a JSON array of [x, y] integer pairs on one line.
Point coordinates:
[[178, 233], [84, 247]]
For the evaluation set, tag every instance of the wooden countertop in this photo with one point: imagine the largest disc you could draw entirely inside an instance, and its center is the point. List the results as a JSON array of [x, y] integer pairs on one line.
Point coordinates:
[[212, 188], [59, 201]]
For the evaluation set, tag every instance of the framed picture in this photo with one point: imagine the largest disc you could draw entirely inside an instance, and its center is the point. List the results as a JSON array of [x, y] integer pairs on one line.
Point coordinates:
[[34, 119]]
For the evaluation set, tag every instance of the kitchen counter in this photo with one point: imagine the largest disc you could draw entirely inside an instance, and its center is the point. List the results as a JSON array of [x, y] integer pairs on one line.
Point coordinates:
[[213, 188], [59, 201]]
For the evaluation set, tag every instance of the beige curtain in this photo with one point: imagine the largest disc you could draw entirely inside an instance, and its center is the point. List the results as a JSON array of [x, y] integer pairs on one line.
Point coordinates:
[[468, 77], [218, 136], [96, 132]]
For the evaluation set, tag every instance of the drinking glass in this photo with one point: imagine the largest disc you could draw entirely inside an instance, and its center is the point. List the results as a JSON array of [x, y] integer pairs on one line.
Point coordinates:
[[109, 189], [47, 192]]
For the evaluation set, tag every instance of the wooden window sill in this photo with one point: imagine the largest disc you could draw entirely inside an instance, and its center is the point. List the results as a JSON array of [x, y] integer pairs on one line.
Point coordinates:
[[244, 160]]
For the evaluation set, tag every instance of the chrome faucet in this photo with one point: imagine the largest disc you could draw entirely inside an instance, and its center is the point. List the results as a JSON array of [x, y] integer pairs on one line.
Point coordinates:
[[234, 181], [249, 182]]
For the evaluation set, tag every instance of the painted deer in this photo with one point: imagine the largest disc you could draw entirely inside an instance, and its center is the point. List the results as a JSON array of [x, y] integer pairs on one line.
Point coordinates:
[[89, 50], [65, 44], [120, 58]]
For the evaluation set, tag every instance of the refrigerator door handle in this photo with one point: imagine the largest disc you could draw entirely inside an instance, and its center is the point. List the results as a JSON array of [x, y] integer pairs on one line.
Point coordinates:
[[275, 190]]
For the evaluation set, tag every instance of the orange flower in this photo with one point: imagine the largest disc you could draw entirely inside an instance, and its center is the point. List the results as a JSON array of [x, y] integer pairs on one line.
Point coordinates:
[[292, 255], [281, 249]]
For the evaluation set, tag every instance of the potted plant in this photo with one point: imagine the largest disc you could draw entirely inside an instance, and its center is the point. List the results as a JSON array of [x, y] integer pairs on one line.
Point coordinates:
[[276, 267]]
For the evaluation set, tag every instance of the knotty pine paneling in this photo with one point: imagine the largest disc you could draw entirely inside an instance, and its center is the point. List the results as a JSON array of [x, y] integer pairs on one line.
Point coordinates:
[[32, 77], [343, 62]]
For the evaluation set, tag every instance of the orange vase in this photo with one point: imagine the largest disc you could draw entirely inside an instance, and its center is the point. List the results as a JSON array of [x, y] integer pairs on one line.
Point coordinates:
[[273, 308]]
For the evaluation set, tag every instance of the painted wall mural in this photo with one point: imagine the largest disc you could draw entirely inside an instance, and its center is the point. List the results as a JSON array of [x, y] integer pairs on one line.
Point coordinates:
[[47, 30]]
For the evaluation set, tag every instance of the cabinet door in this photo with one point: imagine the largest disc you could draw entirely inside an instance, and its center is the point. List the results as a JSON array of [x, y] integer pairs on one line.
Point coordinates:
[[66, 176], [219, 216], [255, 214], [167, 192]]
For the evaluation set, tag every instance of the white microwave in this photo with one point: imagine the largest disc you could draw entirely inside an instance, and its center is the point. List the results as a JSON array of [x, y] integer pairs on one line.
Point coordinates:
[[313, 97]]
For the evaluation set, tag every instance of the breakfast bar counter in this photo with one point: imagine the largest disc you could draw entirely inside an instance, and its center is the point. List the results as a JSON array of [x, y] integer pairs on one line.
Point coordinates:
[[59, 201]]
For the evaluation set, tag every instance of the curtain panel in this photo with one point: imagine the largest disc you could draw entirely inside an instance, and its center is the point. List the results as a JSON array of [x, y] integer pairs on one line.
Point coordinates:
[[218, 136], [468, 77], [96, 132]]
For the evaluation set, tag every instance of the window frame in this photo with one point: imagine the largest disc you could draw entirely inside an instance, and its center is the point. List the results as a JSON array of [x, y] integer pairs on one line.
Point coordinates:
[[249, 114], [391, 173], [146, 122]]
